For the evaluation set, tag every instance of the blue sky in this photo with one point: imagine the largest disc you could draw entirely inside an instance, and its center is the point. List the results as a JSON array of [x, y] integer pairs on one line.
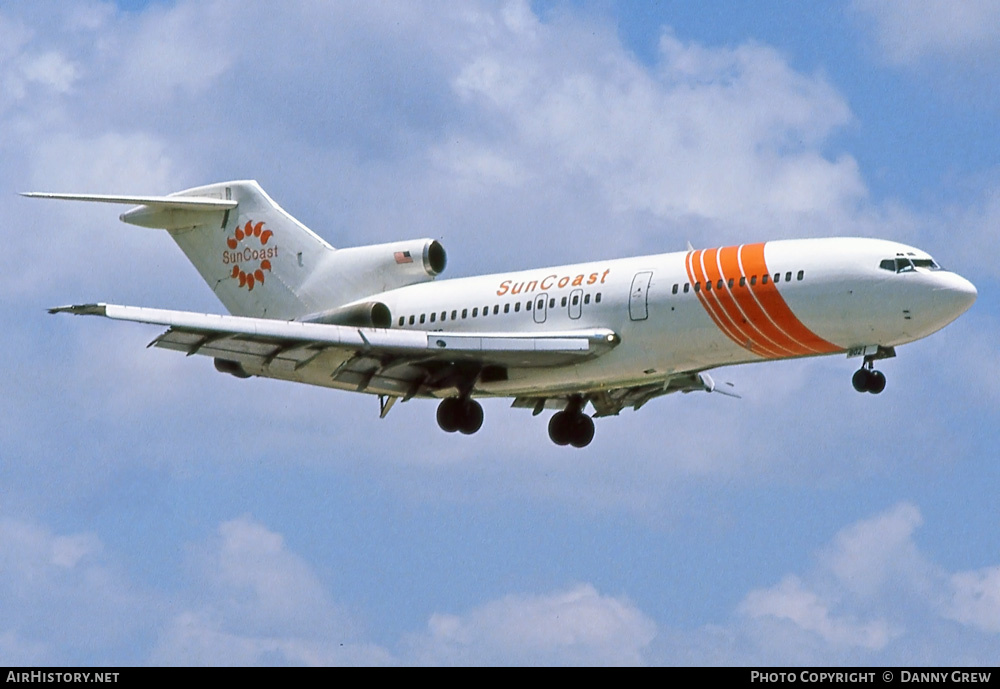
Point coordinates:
[[156, 512]]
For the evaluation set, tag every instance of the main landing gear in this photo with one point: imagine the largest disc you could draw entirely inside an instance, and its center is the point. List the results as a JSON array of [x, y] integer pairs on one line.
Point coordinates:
[[460, 414], [571, 426], [868, 379]]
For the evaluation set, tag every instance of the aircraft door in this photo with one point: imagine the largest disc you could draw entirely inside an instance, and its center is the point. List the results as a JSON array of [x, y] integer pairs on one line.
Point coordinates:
[[541, 307], [575, 303], [637, 300]]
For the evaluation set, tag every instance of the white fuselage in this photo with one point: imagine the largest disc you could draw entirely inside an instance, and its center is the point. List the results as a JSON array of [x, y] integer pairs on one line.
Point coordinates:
[[773, 300]]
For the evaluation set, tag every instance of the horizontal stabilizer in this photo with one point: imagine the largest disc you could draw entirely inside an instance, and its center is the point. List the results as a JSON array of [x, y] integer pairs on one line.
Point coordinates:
[[165, 202]]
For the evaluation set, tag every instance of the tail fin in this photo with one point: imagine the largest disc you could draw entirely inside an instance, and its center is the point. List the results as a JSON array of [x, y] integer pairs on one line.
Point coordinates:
[[258, 259]]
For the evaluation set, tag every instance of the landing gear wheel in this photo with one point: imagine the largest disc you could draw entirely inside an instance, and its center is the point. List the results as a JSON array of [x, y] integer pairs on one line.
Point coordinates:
[[860, 380], [471, 417], [582, 430], [448, 415], [571, 428], [559, 428], [876, 382], [868, 380], [457, 414]]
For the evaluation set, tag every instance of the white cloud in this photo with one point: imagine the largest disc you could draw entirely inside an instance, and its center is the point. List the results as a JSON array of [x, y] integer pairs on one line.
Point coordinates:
[[975, 599], [792, 601], [62, 595], [871, 553], [871, 598], [730, 136], [915, 29], [29, 70], [578, 626], [257, 603]]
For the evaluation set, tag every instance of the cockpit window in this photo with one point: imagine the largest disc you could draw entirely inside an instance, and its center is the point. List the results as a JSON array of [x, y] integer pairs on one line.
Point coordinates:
[[905, 264]]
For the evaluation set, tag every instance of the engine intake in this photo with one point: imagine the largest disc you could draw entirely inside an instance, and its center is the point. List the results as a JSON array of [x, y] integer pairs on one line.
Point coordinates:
[[371, 314]]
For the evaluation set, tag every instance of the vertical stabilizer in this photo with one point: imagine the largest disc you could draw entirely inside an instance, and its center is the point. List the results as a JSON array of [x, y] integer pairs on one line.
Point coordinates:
[[256, 257]]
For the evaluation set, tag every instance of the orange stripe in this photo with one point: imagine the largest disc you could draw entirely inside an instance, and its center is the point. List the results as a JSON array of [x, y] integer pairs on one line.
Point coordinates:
[[728, 308], [754, 268], [695, 274], [712, 295], [765, 336], [773, 304], [757, 317]]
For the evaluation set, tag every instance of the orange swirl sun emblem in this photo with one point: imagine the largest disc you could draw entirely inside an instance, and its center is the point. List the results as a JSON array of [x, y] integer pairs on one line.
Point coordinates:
[[249, 254]]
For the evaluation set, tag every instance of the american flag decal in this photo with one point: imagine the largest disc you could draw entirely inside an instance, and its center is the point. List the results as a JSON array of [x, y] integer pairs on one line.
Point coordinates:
[[403, 257]]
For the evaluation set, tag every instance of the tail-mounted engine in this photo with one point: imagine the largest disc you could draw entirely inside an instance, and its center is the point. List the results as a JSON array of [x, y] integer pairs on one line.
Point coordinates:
[[366, 270]]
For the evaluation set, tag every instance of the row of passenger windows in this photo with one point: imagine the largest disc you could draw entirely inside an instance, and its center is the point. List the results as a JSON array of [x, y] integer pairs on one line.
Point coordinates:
[[731, 282], [495, 309]]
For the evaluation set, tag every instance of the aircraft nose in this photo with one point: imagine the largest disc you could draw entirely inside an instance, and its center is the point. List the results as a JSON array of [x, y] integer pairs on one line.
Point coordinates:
[[958, 293], [961, 292]]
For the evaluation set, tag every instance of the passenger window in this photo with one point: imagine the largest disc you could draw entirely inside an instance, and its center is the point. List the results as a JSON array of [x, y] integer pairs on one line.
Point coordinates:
[[433, 317], [788, 276], [597, 299], [496, 309], [777, 277], [708, 286], [454, 315], [686, 286], [475, 312], [527, 305], [422, 316], [564, 301], [763, 279], [743, 281], [541, 303], [552, 303], [411, 320], [517, 306], [753, 280], [731, 283], [465, 313], [576, 299], [697, 287], [586, 298], [674, 290], [506, 307], [720, 285], [801, 275]]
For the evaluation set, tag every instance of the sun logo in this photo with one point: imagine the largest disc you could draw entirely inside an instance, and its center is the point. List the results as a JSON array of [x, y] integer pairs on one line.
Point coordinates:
[[249, 250]]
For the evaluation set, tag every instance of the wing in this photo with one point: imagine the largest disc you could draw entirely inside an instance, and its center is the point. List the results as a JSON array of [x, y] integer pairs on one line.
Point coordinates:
[[398, 363]]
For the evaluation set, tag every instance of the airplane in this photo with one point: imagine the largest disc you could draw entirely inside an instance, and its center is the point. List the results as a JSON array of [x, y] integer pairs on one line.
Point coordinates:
[[609, 334]]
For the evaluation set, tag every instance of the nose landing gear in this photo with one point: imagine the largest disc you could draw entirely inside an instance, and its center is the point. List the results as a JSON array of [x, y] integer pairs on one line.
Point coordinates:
[[868, 379]]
